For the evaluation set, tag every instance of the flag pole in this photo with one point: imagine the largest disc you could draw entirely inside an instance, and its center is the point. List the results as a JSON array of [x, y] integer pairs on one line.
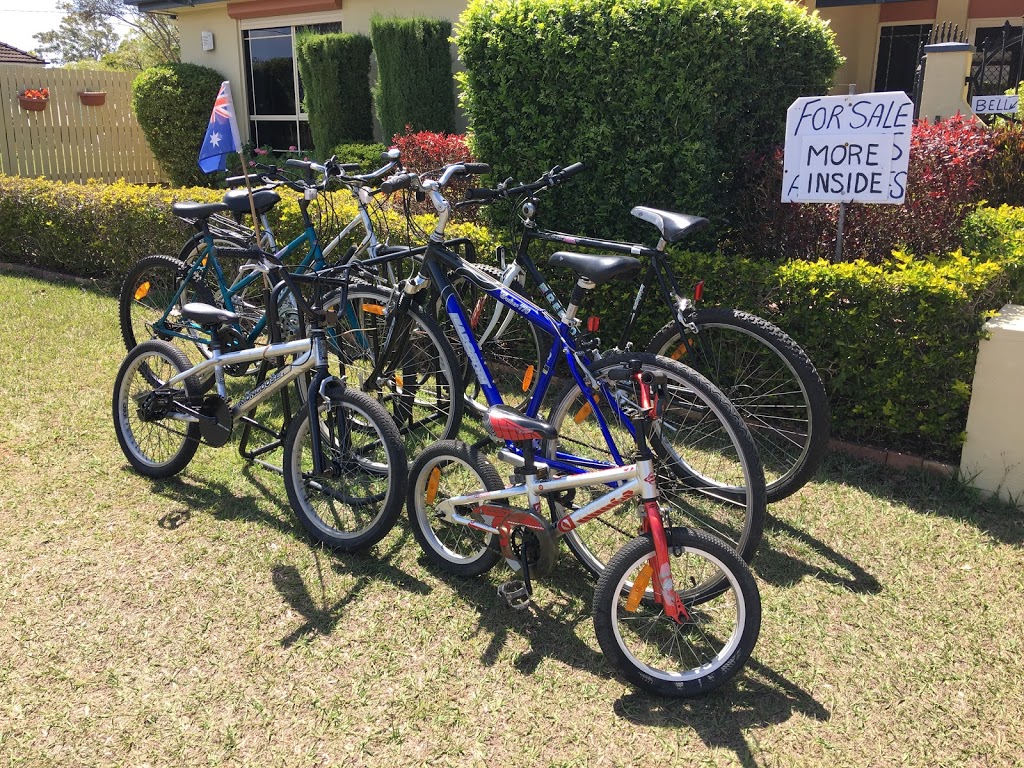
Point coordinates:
[[252, 200]]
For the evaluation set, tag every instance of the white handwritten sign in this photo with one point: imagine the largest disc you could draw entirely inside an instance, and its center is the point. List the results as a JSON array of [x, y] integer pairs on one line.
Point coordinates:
[[994, 105], [852, 149]]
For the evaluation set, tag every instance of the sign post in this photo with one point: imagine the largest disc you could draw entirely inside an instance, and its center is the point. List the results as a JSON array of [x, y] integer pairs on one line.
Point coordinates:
[[847, 149]]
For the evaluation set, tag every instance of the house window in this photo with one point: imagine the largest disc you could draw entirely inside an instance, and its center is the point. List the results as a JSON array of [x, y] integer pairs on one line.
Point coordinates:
[[899, 50], [274, 88]]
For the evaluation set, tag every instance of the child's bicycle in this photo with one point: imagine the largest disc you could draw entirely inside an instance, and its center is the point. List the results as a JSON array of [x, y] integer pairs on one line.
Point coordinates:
[[676, 611], [344, 464]]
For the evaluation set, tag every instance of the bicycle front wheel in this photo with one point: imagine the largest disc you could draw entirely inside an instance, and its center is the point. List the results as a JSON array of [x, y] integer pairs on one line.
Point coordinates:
[[708, 470], [419, 385], [154, 437], [697, 654], [357, 499], [771, 381]]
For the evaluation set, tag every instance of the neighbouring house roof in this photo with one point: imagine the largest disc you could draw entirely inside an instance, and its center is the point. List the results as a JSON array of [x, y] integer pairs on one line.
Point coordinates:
[[11, 55], [167, 5]]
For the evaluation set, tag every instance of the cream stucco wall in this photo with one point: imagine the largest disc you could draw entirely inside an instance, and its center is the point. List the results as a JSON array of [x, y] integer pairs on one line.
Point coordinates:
[[226, 56], [356, 14], [856, 29]]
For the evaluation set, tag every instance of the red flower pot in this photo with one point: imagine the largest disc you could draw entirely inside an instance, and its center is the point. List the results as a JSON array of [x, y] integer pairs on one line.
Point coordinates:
[[32, 105], [92, 98]]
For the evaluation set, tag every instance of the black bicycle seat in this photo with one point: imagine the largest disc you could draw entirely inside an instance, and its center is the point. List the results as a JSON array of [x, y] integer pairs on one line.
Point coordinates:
[[673, 226], [190, 210], [237, 200], [597, 268]]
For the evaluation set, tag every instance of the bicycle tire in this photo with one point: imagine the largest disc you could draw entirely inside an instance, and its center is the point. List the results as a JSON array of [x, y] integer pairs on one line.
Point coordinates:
[[357, 507], [771, 381], [155, 447], [459, 469], [147, 296], [646, 647], [422, 390], [702, 447]]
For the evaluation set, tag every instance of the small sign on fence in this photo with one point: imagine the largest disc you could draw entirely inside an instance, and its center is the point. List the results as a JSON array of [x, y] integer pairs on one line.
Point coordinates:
[[847, 149], [994, 105]]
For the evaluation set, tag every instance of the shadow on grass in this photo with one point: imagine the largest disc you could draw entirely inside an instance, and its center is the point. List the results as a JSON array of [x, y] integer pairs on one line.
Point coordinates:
[[310, 601], [785, 570], [758, 697], [929, 494], [562, 602]]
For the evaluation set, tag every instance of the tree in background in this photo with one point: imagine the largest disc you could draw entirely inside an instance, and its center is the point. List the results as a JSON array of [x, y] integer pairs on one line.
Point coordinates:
[[80, 36], [156, 34]]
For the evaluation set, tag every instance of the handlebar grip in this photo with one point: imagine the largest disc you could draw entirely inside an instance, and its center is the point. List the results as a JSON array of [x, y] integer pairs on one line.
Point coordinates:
[[477, 168], [482, 194], [567, 173], [239, 181], [395, 183], [349, 166], [293, 163]]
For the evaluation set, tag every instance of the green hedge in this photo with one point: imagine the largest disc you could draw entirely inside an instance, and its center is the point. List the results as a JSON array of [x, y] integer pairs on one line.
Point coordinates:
[[414, 74], [335, 70], [172, 103], [664, 100], [367, 155]]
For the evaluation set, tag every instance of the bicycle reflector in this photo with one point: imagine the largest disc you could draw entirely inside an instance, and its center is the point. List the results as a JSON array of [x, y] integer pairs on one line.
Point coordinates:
[[698, 291], [527, 378], [643, 580], [585, 411], [432, 480], [142, 291], [373, 309], [593, 323]]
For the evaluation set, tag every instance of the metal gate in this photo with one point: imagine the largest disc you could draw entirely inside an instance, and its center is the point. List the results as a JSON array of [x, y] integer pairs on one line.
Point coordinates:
[[997, 66]]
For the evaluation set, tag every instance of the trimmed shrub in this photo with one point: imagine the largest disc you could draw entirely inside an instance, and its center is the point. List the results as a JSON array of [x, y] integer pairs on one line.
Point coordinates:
[[414, 74], [172, 103], [661, 100], [946, 181], [1006, 169], [335, 70], [428, 151], [367, 155]]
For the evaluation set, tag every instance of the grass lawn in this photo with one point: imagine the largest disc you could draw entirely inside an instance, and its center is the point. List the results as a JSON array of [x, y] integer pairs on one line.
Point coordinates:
[[190, 622]]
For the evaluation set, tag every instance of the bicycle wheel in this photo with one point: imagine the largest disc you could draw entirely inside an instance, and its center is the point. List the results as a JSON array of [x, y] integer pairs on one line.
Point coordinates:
[[513, 349], [772, 383], [420, 386], [149, 306], [451, 468], [357, 501], [156, 441], [706, 462], [654, 652]]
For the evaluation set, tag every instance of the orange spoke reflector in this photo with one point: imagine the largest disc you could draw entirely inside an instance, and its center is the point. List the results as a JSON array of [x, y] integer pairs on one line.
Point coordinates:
[[142, 291], [432, 481], [203, 262], [585, 411], [373, 309], [679, 352], [643, 580], [527, 378], [398, 380]]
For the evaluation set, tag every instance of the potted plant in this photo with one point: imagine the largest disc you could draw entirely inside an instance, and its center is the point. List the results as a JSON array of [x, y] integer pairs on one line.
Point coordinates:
[[34, 99], [92, 98]]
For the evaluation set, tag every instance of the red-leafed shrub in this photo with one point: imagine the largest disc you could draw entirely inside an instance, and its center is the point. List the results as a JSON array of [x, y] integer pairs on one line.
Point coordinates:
[[946, 179], [424, 151]]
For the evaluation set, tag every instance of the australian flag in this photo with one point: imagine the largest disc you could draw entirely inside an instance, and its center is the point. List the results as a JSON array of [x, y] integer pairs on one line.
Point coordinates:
[[222, 134]]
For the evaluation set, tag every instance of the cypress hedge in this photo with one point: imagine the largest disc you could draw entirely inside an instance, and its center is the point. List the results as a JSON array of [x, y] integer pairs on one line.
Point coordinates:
[[335, 70], [414, 74]]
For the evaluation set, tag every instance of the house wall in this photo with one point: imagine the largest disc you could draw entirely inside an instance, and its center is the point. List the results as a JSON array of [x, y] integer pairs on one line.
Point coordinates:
[[226, 56]]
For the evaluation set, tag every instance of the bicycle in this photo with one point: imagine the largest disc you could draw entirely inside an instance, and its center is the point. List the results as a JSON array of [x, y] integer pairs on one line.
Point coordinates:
[[344, 462], [702, 443], [676, 611], [767, 376]]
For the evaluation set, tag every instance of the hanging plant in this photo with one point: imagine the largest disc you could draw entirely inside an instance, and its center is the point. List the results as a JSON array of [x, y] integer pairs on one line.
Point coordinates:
[[92, 98], [34, 99]]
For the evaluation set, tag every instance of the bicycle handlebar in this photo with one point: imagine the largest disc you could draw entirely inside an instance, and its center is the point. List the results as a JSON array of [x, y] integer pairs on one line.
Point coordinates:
[[550, 179]]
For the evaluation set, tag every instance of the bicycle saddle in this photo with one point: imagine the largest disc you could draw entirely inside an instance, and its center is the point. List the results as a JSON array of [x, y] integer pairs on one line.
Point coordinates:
[[190, 210], [237, 200], [509, 424], [673, 226], [599, 269], [207, 314]]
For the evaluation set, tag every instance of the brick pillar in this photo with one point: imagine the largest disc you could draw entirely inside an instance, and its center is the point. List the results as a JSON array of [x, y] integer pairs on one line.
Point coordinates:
[[947, 66]]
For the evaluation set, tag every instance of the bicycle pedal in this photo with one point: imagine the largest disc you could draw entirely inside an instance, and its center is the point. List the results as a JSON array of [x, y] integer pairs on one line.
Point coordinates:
[[515, 594]]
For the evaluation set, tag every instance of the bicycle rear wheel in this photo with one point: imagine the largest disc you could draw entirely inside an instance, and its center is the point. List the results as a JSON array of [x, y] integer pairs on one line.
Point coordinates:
[[150, 302], [771, 381], [654, 652], [356, 502], [420, 386], [155, 439], [708, 469]]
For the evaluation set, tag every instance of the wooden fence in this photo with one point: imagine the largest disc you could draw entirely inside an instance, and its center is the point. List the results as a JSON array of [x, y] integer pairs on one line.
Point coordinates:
[[69, 141]]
